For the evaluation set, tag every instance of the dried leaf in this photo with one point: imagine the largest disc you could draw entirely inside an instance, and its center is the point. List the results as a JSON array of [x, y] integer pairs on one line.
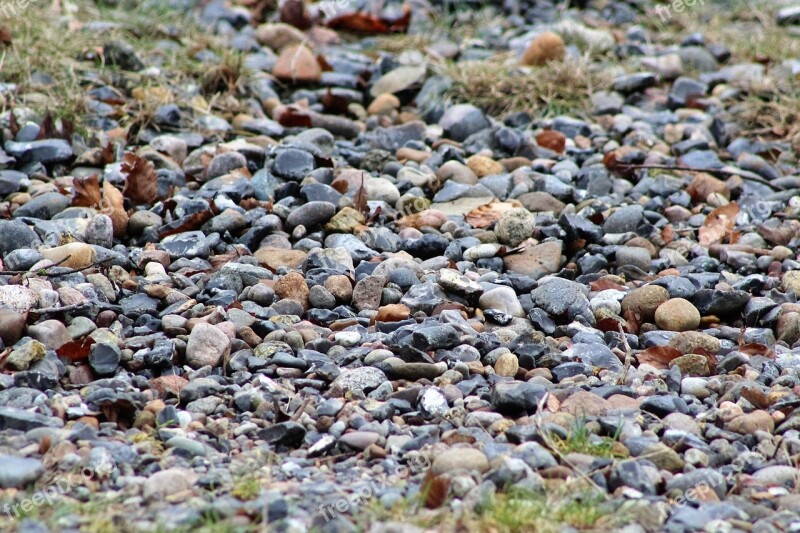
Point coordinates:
[[756, 396], [360, 199], [361, 22], [48, 128], [658, 356], [87, 192], [77, 350], [610, 324], [5, 36], [719, 223], [334, 104], [294, 12], [141, 180], [292, 117], [13, 125], [434, 489], [113, 206], [668, 234], [552, 140], [603, 284], [755, 348], [187, 223], [486, 215], [553, 404]]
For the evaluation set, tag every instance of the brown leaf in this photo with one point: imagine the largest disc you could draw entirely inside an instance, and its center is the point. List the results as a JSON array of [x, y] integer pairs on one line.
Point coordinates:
[[13, 125], [5, 36], [334, 104], [294, 12], [658, 356], [719, 223], [87, 192], [113, 205], [668, 234], [711, 359], [187, 223], [292, 117], [486, 215], [609, 324], [360, 199], [48, 128], [603, 284], [756, 397], [552, 140], [755, 348], [361, 22], [141, 181], [77, 350], [434, 489]]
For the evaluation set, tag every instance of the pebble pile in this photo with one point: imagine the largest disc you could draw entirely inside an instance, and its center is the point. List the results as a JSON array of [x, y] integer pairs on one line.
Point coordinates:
[[359, 287]]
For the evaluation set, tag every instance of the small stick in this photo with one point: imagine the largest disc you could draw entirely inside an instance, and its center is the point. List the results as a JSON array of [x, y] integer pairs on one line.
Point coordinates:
[[625, 166], [43, 271]]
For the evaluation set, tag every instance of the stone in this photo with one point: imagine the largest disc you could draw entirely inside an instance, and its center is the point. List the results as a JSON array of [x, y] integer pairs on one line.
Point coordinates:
[[363, 378], [104, 358], [689, 341], [12, 323], [19, 472], [21, 357], [17, 299], [506, 365], [462, 120], [749, 423], [52, 333], [74, 255], [645, 300], [207, 346], [515, 226], [293, 286], [455, 459], [298, 64], [536, 261], [691, 365], [275, 258], [503, 299], [584, 404], [367, 292], [166, 483], [17, 235], [677, 314], [311, 214]]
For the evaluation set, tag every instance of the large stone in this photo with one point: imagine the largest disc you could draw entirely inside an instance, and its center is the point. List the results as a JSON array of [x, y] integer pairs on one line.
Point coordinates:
[[207, 346], [536, 261]]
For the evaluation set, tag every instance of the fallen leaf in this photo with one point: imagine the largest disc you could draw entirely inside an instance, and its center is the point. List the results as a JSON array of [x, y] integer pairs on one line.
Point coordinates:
[[294, 12], [113, 206], [360, 199], [48, 128], [5, 36], [610, 324], [361, 22], [292, 117], [87, 192], [603, 284], [486, 215], [77, 350], [719, 223], [187, 223], [552, 140], [141, 180], [658, 356], [434, 488], [668, 234], [334, 104], [755, 348], [756, 397]]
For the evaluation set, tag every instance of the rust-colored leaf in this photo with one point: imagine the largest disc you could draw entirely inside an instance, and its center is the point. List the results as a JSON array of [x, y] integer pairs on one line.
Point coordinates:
[[187, 223], [77, 350], [360, 199], [486, 215], [719, 224], [294, 12], [668, 234], [13, 125], [361, 22], [48, 128], [434, 489], [609, 324], [87, 192], [754, 348], [5, 36], [603, 284], [552, 140], [333, 104], [113, 206], [294, 118], [141, 181], [658, 356], [711, 359]]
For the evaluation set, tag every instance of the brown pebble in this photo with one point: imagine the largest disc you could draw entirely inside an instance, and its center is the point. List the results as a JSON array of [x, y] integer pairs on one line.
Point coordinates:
[[547, 46]]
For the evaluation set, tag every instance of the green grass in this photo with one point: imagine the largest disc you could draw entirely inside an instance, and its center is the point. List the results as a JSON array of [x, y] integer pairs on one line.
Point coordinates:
[[524, 511], [581, 440]]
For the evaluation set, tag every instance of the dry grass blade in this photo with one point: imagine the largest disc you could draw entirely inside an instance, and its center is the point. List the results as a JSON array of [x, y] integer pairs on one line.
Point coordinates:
[[500, 87]]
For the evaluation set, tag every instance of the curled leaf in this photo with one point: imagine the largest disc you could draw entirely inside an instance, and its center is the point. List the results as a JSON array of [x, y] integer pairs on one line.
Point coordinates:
[[141, 180], [658, 356], [719, 224], [87, 192]]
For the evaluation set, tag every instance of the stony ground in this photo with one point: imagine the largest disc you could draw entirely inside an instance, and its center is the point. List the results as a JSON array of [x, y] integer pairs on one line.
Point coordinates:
[[350, 267]]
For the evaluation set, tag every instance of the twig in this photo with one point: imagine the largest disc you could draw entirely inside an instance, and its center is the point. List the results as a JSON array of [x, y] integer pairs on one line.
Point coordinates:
[[64, 309], [43, 272], [631, 166]]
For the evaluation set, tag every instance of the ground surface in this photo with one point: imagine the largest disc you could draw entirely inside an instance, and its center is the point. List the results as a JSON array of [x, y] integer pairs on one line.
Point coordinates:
[[463, 270]]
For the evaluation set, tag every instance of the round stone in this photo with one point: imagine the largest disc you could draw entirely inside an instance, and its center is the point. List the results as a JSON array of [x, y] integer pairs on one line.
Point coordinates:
[[677, 314]]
